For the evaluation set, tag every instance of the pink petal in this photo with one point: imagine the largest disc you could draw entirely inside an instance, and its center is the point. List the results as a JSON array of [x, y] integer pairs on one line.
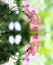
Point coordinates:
[[33, 53], [35, 11], [39, 19], [26, 4], [34, 26], [35, 39], [27, 60]]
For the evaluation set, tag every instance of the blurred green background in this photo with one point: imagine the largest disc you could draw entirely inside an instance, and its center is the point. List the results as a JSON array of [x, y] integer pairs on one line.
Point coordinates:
[[46, 12]]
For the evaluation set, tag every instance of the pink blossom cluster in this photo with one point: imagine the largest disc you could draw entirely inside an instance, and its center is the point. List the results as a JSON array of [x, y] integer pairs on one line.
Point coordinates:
[[31, 11], [34, 25]]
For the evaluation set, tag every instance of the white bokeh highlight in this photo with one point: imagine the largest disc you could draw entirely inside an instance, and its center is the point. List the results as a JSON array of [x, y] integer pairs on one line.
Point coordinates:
[[11, 39], [18, 39], [11, 26], [17, 54], [8, 1], [17, 26]]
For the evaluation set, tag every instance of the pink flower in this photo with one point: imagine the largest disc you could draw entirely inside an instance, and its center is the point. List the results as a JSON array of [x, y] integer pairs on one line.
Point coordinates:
[[33, 11], [31, 57], [31, 50], [26, 4], [25, 62], [35, 39], [31, 15], [33, 18], [34, 26], [30, 10]]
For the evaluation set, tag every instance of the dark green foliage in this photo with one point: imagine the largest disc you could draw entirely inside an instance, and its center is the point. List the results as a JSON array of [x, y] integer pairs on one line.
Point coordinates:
[[3, 9], [6, 16]]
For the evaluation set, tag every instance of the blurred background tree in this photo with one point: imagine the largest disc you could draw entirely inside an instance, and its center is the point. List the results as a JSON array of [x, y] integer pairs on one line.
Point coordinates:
[[46, 13]]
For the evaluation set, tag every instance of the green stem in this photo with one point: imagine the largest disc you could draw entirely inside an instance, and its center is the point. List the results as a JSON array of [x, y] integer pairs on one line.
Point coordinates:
[[32, 32]]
